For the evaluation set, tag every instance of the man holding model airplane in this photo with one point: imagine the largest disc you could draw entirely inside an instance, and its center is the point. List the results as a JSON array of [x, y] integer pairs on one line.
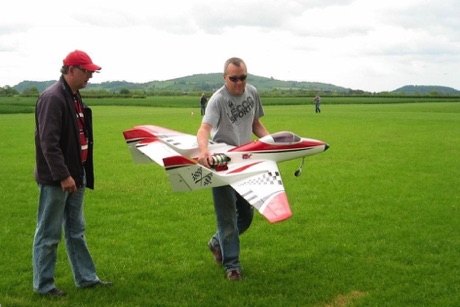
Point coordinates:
[[232, 116]]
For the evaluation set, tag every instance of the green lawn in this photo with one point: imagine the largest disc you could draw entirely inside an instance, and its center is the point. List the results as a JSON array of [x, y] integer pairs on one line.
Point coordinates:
[[375, 222]]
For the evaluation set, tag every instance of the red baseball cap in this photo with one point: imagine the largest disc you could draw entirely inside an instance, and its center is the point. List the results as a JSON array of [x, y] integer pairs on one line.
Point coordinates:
[[80, 58]]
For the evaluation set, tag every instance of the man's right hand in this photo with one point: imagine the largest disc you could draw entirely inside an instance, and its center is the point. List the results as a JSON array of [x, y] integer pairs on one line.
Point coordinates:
[[68, 185]]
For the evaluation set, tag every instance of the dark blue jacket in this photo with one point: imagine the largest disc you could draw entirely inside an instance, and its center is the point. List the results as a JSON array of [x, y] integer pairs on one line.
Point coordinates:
[[57, 138]]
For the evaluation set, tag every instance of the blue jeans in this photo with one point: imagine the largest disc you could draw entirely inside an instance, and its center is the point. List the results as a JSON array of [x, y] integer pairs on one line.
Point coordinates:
[[233, 216], [58, 210]]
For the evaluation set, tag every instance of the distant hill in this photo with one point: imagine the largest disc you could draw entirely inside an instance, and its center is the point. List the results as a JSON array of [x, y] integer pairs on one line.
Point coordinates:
[[198, 82], [40, 85], [425, 90], [212, 81]]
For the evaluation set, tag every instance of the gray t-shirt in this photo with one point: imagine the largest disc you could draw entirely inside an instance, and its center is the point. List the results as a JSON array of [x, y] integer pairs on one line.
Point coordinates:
[[231, 116]]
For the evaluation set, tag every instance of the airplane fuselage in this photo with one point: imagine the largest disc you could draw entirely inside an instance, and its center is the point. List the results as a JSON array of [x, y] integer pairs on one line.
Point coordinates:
[[278, 147]]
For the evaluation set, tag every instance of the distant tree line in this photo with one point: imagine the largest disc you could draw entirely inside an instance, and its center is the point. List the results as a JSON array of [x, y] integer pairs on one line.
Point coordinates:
[[8, 91], [33, 91]]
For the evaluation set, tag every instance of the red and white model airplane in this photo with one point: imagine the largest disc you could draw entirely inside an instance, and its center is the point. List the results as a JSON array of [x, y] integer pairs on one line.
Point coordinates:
[[251, 169]]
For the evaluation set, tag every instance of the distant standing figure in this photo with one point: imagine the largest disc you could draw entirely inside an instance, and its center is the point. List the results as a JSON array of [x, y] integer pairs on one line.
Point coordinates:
[[317, 101], [203, 102]]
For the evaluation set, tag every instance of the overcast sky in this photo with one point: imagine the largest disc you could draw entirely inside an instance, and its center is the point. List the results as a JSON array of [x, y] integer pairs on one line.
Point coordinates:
[[371, 45]]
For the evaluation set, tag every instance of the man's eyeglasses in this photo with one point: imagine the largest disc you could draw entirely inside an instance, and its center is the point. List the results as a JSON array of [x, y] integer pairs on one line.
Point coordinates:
[[236, 78], [84, 70]]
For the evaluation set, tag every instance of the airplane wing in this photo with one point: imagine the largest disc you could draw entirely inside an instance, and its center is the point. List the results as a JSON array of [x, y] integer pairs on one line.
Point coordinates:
[[259, 183], [153, 143], [265, 191]]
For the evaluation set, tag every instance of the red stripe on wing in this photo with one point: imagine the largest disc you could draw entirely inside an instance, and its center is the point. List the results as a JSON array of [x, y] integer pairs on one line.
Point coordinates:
[[243, 168], [177, 161]]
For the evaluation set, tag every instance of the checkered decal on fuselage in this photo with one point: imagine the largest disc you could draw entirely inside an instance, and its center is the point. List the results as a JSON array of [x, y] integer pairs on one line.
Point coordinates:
[[270, 178]]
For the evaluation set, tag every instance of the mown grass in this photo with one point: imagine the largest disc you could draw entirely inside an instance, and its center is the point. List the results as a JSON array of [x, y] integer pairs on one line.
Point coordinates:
[[375, 218], [14, 105]]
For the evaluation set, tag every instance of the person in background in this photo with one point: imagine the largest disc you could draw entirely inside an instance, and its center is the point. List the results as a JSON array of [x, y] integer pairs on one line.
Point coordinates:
[[317, 101], [64, 169], [203, 102], [232, 116]]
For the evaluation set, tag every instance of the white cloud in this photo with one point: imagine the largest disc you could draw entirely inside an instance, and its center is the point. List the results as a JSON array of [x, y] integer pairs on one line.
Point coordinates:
[[361, 44]]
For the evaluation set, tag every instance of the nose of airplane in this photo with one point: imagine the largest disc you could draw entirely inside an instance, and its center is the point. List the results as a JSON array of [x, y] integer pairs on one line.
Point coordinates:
[[326, 147]]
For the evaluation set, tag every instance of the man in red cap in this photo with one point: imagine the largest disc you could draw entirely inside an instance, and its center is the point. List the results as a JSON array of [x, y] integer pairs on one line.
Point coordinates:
[[64, 168]]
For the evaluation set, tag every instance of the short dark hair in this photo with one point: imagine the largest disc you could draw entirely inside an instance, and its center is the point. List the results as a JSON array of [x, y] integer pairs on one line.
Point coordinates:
[[234, 61], [64, 70]]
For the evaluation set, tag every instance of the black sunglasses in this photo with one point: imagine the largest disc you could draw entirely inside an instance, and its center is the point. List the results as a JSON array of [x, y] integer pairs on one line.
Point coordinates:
[[236, 78]]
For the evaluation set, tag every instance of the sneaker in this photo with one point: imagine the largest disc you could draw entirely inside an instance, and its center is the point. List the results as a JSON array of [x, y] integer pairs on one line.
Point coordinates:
[[234, 275], [216, 251], [54, 292]]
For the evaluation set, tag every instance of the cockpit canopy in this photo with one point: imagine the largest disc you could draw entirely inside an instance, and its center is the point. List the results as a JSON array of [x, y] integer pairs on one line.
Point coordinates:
[[284, 137]]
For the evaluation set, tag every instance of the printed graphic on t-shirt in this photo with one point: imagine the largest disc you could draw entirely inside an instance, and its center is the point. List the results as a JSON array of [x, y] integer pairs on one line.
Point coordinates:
[[237, 112]]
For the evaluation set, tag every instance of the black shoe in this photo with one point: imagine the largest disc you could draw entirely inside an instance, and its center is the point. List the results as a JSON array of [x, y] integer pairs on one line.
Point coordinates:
[[101, 283], [54, 292]]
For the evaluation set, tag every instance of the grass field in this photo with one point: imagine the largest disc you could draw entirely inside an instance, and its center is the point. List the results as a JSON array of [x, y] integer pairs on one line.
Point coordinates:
[[376, 218], [14, 105]]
